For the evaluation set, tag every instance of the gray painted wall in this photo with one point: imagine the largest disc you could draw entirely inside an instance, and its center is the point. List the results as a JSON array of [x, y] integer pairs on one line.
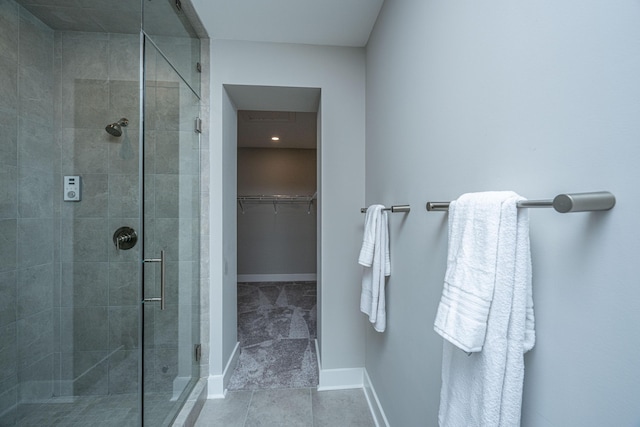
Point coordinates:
[[339, 73], [540, 98]]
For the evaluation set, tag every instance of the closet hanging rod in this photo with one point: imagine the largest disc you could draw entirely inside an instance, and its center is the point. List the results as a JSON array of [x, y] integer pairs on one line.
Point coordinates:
[[394, 209], [563, 203], [277, 198]]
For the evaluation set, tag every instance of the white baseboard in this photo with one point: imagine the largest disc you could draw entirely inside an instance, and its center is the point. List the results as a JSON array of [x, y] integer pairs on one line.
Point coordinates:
[[374, 404], [338, 379], [297, 277], [217, 384]]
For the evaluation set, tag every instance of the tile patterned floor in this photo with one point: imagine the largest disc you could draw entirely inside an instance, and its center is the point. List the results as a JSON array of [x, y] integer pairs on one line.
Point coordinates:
[[302, 407], [275, 381], [277, 331]]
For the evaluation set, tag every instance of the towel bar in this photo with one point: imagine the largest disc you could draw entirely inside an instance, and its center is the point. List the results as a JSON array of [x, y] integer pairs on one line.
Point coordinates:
[[394, 209], [563, 203]]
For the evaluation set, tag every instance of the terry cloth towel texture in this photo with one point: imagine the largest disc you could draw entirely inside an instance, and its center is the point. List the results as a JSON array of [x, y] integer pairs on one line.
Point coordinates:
[[376, 262], [486, 310]]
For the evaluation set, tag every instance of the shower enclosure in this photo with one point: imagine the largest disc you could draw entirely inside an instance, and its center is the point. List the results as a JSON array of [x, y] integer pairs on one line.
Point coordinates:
[[99, 212]]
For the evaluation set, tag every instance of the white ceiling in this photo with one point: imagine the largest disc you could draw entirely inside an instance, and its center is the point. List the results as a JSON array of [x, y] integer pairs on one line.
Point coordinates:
[[315, 22], [318, 22], [295, 129]]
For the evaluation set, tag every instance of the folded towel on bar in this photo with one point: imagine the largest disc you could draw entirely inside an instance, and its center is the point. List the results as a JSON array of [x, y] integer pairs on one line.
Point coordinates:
[[474, 222], [374, 257], [486, 310]]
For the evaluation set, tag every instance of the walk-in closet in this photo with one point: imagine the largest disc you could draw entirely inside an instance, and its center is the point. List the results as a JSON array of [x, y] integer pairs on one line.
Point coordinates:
[[277, 250]]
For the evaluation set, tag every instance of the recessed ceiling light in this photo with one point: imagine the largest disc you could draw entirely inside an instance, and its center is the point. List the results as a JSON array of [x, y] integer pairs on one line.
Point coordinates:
[[275, 138]]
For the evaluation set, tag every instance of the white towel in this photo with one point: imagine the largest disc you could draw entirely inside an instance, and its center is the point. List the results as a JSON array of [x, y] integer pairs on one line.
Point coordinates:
[[485, 388], [374, 257], [474, 221]]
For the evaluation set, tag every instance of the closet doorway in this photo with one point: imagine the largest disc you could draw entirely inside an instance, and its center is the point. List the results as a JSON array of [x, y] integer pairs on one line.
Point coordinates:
[[276, 196], [277, 223]]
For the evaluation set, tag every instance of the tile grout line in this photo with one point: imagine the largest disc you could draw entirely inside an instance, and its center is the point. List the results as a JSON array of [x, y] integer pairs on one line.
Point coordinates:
[[311, 405], [246, 415]]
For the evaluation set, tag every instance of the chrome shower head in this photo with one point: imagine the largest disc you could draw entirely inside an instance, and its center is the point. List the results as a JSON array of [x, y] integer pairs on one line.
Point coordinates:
[[115, 129]]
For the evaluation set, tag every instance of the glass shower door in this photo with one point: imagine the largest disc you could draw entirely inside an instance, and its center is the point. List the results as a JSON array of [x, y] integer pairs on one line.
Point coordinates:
[[171, 240]]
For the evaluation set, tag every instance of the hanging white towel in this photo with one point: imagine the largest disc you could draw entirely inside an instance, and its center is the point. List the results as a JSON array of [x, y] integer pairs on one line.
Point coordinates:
[[488, 277], [374, 257]]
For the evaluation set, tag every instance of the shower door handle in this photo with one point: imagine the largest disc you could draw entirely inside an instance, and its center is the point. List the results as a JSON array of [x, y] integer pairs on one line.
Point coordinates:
[[162, 280]]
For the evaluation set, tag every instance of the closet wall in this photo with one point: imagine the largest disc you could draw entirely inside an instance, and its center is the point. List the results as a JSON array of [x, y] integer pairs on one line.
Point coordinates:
[[276, 242]]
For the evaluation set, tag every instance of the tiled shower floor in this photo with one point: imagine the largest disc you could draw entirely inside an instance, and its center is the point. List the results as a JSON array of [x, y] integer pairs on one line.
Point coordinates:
[[114, 410], [121, 410]]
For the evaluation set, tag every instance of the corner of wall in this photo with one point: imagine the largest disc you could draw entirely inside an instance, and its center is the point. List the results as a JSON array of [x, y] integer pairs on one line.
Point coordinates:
[[217, 384], [338, 379]]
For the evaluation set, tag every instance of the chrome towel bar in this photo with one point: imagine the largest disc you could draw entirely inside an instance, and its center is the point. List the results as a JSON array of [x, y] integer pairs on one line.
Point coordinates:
[[563, 203], [394, 209]]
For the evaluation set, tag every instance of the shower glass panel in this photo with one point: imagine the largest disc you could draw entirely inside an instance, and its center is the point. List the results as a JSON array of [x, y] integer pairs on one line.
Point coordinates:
[[98, 171], [171, 229], [166, 24]]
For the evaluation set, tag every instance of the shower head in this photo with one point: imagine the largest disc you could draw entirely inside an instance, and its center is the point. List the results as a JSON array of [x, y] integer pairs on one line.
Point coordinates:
[[115, 129]]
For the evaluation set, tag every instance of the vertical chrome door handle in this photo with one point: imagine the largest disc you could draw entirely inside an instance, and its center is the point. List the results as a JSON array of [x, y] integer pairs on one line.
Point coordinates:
[[162, 280]]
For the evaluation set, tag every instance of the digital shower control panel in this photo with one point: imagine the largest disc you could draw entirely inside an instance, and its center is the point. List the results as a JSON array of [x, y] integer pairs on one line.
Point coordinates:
[[72, 186]]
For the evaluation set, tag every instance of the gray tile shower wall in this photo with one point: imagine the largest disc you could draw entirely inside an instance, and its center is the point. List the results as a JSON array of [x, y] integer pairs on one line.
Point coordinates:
[[60, 278], [68, 298], [27, 224], [98, 311]]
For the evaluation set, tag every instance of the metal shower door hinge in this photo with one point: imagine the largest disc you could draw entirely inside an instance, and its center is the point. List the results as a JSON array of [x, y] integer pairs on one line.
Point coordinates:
[[198, 126], [198, 352], [178, 5], [199, 67]]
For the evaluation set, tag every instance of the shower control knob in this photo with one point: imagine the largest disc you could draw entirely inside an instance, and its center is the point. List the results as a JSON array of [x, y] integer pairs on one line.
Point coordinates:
[[125, 238]]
